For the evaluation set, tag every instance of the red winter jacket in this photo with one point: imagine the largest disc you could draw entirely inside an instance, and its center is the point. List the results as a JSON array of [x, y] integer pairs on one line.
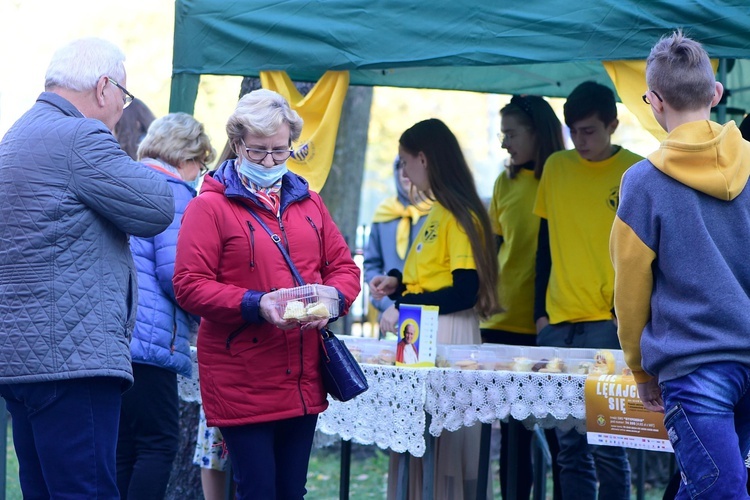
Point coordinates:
[[251, 371]]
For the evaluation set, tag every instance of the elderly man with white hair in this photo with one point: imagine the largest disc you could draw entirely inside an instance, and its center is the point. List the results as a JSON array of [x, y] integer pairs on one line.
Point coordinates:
[[68, 201]]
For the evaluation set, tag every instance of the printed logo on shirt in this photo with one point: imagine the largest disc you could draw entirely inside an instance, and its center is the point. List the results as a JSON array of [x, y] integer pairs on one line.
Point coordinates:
[[430, 234], [613, 200]]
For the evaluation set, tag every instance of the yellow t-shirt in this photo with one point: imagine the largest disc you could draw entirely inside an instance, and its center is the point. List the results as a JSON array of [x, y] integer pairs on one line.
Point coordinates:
[[512, 218], [441, 247], [579, 199]]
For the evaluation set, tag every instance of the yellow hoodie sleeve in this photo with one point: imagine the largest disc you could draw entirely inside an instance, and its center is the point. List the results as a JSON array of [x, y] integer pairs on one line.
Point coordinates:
[[634, 282]]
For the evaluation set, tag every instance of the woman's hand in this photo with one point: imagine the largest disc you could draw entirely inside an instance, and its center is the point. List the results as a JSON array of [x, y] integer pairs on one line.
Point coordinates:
[[269, 311], [382, 286], [389, 319]]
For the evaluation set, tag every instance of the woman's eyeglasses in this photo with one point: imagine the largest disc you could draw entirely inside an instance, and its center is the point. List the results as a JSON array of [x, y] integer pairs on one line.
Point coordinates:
[[258, 155]]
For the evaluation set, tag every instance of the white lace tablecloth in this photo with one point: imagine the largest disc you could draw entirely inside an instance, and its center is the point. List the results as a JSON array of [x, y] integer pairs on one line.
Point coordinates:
[[392, 417], [457, 398], [391, 414]]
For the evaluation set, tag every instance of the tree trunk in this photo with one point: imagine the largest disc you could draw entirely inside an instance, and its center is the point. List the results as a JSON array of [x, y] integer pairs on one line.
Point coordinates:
[[342, 191], [185, 480]]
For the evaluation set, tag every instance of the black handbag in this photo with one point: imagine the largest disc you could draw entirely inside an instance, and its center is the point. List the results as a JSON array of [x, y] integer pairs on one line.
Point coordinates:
[[343, 378]]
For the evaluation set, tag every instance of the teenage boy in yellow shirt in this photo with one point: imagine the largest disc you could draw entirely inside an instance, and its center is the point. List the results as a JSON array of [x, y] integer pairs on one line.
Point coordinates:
[[577, 200]]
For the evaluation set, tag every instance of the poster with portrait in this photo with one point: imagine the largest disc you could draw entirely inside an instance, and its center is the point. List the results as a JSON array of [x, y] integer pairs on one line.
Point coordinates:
[[417, 335]]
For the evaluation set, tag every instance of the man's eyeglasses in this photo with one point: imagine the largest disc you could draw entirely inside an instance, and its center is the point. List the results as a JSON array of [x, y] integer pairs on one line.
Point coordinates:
[[258, 155], [647, 101], [127, 97]]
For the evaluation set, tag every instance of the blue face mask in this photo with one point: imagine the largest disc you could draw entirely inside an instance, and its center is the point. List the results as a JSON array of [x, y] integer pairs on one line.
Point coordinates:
[[260, 175], [194, 183]]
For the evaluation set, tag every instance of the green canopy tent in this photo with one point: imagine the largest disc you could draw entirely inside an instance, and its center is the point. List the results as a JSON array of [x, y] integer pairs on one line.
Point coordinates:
[[544, 47]]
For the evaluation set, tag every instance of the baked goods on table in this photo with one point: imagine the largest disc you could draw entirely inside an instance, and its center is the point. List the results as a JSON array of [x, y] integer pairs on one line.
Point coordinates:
[[604, 363], [554, 365], [386, 357], [584, 367], [522, 364], [466, 364], [498, 357]]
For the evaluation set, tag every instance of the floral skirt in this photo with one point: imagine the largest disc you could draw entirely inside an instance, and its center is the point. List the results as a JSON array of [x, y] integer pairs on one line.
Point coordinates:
[[210, 450]]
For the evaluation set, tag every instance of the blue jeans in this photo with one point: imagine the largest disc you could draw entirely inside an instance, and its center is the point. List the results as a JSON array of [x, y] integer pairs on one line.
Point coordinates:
[[583, 465], [707, 416], [269, 460], [65, 436]]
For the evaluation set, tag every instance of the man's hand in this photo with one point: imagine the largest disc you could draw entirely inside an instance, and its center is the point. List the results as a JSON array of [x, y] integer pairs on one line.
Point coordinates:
[[650, 394]]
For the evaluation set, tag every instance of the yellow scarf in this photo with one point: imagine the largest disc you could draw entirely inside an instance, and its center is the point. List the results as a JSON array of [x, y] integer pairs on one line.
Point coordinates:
[[392, 209]]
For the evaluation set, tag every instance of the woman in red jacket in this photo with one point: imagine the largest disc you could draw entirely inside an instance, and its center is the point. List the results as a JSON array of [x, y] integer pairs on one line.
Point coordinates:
[[260, 374]]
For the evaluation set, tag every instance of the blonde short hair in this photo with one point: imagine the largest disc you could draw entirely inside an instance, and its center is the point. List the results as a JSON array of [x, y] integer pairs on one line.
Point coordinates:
[[679, 69], [262, 112], [175, 138]]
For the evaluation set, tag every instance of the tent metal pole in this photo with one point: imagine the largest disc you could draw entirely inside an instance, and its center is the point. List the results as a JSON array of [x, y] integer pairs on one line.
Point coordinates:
[[721, 108]]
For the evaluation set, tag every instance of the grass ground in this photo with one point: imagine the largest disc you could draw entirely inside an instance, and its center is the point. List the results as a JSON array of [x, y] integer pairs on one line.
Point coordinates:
[[12, 486], [368, 477]]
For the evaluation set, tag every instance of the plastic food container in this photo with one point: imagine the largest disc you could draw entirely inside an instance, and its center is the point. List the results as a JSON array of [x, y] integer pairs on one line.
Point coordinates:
[[308, 303], [459, 356]]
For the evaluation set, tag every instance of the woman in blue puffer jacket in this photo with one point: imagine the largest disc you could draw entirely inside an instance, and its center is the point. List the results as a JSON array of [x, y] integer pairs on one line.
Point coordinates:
[[177, 147]]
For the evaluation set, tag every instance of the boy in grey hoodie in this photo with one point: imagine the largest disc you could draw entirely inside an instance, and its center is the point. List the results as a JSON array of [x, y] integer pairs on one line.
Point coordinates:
[[682, 275]]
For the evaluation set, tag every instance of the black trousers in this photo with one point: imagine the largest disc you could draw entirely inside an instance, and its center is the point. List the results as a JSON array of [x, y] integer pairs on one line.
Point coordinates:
[[525, 475], [149, 433]]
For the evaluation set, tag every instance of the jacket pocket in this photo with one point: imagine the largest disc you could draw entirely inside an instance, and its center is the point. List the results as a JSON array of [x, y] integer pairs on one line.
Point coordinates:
[[131, 299]]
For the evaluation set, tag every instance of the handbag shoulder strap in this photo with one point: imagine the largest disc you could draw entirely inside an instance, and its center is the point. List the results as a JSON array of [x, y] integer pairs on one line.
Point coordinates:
[[277, 239]]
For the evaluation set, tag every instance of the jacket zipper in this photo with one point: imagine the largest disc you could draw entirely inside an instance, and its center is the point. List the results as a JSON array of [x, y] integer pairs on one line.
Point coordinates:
[[283, 232], [174, 338], [252, 244], [299, 379], [320, 239]]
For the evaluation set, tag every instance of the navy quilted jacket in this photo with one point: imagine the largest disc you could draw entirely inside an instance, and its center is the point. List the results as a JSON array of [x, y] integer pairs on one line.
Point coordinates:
[[69, 197], [162, 328]]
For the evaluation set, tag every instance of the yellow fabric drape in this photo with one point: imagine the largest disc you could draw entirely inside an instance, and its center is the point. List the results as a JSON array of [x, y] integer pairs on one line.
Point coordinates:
[[629, 78], [392, 209], [321, 111]]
